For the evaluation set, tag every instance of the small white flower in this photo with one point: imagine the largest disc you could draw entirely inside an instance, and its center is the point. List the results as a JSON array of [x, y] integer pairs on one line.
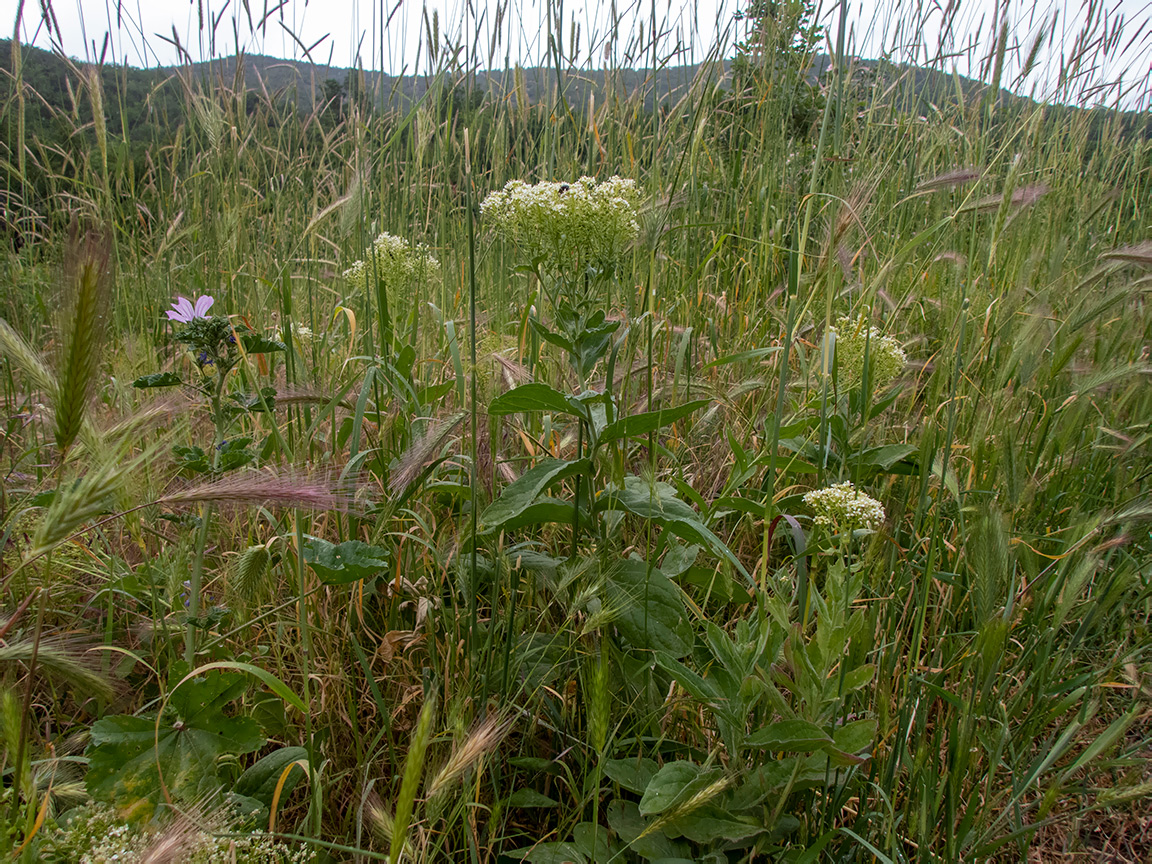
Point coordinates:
[[843, 507], [854, 337], [583, 223], [395, 262]]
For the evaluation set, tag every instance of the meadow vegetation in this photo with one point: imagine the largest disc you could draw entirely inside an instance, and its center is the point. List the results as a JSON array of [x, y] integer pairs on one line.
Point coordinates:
[[760, 477]]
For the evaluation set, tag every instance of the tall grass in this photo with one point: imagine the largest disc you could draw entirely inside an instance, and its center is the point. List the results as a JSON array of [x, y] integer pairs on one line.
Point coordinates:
[[476, 696]]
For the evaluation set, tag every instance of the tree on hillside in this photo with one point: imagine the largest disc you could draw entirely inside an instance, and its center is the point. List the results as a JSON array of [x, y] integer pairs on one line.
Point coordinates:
[[773, 65]]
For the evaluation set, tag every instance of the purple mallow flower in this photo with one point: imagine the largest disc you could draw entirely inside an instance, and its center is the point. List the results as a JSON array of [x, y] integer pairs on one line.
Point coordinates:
[[184, 311]]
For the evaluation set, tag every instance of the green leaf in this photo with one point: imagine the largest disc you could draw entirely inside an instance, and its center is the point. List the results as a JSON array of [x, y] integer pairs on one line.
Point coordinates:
[[593, 841], [260, 780], [709, 824], [667, 787], [760, 784], [632, 774], [341, 563], [193, 734], [520, 494], [234, 454], [255, 402], [641, 424], [191, 460], [530, 798], [254, 343], [157, 379], [792, 736], [649, 609], [535, 397], [624, 818], [859, 677], [705, 690], [544, 511], [655, 501], [883, 457], [555, 853], [658, 503]]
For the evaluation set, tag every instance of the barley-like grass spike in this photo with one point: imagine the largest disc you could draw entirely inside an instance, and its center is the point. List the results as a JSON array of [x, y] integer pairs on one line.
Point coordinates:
[[87, 282]]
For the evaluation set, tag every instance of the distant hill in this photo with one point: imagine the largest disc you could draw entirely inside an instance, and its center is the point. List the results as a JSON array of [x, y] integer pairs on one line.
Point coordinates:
[[147, 104]]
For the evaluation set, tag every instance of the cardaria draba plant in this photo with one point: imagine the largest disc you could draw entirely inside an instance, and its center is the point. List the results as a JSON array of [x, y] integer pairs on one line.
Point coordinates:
[[568, 228], [573, 236], [857, 340], [394, 261], [842, 507]]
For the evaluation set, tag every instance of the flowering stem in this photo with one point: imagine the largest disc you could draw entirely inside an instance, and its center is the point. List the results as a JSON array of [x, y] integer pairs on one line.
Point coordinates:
[[202, 534]]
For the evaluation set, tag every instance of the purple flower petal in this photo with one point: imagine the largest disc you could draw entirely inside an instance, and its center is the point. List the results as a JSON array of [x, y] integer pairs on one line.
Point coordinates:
[[183, 310], [203, 304]]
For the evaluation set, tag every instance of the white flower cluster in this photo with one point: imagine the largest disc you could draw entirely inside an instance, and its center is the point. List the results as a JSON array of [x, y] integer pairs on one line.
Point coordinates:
[[845, 508], [96, 835], [395, 261], [583, 223], [884, 352]]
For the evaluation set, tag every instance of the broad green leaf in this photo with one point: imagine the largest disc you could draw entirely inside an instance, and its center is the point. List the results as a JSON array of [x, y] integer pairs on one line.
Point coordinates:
[[624, 818], [655, 501], [667, 787], [555, 853], [658, 502], [883, 457], [340, 563], [649, 609], [632, 774], [191, 460], [260, 780], [709, 824], [520, 494], [760, 784], [254, 343], [715, 584], [593, 841], [858, 677], [234, 453], [530, 798], [194, 733], [157, 379], [704, 690], [843, 759], [534, 397], [641, 424], [792, 736]]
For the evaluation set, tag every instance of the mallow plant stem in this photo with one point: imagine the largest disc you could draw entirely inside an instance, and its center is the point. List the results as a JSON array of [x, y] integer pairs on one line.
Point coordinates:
[[202, 533]]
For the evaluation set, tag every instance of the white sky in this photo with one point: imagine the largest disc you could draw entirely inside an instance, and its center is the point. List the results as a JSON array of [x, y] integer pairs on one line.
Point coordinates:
[[1114, 37]]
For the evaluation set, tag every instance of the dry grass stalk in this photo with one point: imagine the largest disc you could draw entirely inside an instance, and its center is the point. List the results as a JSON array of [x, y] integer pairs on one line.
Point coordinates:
[[481, 741], [64, 659], [1139, 253], [290, 489], [183, 836], [949, 179], [422, 452]]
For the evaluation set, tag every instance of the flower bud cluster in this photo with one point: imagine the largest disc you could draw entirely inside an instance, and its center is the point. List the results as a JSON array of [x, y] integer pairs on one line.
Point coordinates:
[[844, 508], [394, 261], [853, 337], [584, 223]]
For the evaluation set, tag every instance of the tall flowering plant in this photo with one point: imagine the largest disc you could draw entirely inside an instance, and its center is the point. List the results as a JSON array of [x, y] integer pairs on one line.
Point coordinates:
[[216, 345], [574, 237]]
